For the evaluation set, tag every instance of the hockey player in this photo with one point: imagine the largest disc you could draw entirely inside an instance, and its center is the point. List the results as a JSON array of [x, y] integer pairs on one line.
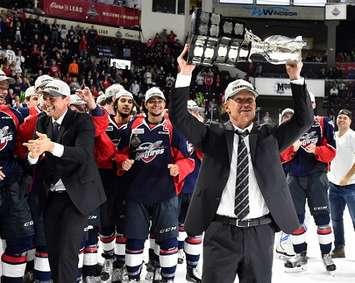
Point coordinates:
[[112, 212], [83, 101], [39, 266], [156, 155], [309, 160], [31, 101], [191, 246], [16, 225]]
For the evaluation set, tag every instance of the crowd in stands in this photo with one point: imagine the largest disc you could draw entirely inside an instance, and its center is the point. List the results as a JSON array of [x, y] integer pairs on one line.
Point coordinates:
[[31, 47]]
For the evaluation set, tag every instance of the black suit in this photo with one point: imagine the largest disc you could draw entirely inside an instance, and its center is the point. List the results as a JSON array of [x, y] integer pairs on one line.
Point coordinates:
[[66, 213], [216, 141]]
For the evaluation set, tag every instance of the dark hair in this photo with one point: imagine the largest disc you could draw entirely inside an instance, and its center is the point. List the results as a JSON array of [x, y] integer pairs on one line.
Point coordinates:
[[346, 112]]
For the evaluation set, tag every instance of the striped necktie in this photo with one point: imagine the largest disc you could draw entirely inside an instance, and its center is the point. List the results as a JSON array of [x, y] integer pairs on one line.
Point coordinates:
[[241, 207]]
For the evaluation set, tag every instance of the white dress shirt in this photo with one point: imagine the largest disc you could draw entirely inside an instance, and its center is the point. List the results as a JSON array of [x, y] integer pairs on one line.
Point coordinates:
[[257, 205], [58, 150]]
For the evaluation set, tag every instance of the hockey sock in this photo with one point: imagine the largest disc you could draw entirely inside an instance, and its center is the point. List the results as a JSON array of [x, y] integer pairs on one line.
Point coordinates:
[[13, 267], [90, 255], [325, 238], [108, 245], [192, 249], [120, 250], [14, 259], [298, 239], [134, 258], [168, 257], [42, 271], [181, 236]]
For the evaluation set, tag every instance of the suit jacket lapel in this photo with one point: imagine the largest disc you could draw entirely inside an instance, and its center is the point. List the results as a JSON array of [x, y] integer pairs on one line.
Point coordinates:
[[230, 138], [65, 123], [253, 137]]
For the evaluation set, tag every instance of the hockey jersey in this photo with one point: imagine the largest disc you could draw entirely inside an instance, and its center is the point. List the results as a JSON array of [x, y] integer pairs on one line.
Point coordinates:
[[10, 120], [152, 149], [190, 180], [304, 163]]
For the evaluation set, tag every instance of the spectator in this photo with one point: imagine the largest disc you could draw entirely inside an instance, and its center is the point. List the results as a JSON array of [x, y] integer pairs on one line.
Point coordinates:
[[73, 69]]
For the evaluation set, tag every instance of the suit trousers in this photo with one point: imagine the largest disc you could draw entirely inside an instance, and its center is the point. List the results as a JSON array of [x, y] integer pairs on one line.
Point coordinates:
[[229, 251], [64, 227]]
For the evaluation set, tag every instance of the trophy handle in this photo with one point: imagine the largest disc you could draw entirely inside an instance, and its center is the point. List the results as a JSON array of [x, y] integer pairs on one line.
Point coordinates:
[[190, 36]]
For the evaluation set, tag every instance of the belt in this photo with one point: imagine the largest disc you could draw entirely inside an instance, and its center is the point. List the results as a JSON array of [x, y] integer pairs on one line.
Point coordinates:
[[243, 223]]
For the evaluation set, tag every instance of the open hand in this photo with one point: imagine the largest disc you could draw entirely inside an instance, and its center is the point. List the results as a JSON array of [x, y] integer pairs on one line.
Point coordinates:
[[40, 145], [86, 95]]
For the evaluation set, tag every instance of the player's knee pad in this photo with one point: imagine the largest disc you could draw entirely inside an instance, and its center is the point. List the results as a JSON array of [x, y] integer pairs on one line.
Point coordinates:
[[168, 243]]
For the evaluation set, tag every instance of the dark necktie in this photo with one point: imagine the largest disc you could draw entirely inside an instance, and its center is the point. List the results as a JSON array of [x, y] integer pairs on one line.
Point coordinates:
[[241, 207], [55, 131]]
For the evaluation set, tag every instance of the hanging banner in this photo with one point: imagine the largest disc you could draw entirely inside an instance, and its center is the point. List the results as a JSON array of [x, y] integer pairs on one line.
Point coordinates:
[[92, 12]]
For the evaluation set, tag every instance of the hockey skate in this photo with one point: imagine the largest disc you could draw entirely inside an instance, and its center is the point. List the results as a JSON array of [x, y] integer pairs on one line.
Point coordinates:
[[193, 275], [157, 276], [284, 247], [106, 272], [297, 263], [119, 275], [181, 256], [329, 264], [150, 271]]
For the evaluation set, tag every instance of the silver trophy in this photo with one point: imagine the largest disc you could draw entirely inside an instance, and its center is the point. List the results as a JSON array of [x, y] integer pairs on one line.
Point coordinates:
[[215, 40]]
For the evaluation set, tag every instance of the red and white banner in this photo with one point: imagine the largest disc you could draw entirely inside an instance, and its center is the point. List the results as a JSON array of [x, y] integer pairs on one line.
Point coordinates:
[[89, 11]]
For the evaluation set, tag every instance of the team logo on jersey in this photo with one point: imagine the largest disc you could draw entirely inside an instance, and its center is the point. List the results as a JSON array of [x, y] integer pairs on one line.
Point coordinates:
[[5, 137], [190, 148], [309, 138], [148, 151]]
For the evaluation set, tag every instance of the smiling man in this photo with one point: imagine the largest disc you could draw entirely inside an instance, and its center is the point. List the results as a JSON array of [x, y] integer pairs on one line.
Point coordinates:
[[241, 195], [71, 183], [342, 180]]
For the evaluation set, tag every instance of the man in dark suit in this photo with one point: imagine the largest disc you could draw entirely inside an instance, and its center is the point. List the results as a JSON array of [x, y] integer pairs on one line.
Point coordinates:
[[241, 196], [64, 151]]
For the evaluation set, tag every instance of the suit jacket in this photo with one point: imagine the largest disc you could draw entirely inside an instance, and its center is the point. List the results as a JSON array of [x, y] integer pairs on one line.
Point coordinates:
[[216, 141], [76, 168]]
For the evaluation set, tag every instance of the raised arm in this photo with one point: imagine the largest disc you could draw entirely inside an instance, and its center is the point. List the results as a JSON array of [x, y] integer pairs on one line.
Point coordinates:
[[189, 126], [302, 120]]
